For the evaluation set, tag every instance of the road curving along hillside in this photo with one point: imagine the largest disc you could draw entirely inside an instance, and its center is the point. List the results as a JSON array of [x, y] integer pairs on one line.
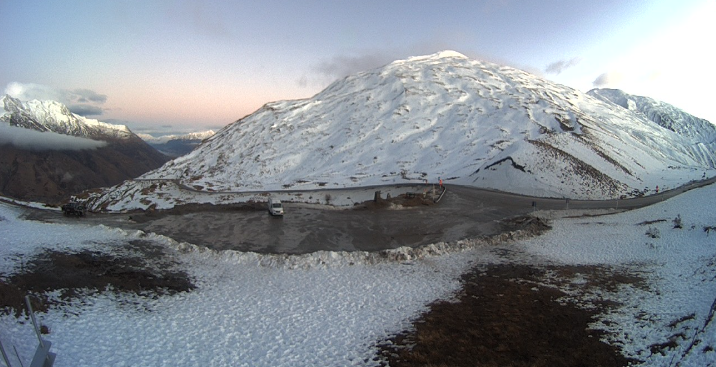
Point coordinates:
[[464, 212]]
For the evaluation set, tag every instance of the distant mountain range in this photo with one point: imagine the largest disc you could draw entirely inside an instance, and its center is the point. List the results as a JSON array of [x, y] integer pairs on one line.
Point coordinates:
[[177, 145], [48, 153]]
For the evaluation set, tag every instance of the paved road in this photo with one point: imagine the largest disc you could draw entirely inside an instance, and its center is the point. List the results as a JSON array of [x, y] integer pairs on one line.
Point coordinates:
[[307, 229], [464, 212]]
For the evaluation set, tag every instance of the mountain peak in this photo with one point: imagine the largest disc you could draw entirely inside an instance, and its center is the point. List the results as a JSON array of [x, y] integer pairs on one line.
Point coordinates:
[[11, 104], [54, 116], [436, 57], [445, 54]]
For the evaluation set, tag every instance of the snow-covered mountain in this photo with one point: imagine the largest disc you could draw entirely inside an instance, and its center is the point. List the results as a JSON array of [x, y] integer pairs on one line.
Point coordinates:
[[56, 117], [177, 145], [444, 115], [48, 153], [699, 131]]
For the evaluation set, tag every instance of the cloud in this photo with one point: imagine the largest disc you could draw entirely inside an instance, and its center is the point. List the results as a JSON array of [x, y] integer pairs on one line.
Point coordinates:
[[42, 141], [199, 17], [341, 65], [605, 79], [88, 95], [30, 91], [84, 102], [558, 67], [303, 81], [85, 110]]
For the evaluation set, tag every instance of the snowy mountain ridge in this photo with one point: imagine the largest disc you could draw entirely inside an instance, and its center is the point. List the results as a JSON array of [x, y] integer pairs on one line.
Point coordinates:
[[48, 153], [56, 117], [443, 116], [198, 135], [700, 131], [176, 145]]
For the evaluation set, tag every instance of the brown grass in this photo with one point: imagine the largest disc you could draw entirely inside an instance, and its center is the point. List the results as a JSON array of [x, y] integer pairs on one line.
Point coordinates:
[[503, 318], [140, 270]]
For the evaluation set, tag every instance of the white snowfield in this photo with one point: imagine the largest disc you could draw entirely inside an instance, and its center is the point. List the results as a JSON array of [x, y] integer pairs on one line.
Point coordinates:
[[445, 116], [330, 309]]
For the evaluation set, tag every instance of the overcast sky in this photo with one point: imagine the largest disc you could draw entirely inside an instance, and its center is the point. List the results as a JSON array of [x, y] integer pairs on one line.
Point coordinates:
[[197, 64]]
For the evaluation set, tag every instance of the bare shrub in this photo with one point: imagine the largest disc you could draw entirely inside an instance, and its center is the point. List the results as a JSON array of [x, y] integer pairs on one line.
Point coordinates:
[[677, 222], [653, 232], [708, 229]]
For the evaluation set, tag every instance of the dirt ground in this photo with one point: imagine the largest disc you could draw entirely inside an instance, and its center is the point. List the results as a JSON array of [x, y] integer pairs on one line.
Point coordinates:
[[506, 315], [138, 267]]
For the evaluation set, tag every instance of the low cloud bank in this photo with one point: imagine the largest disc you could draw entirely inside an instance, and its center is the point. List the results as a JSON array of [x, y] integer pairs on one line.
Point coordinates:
[[41, 141]]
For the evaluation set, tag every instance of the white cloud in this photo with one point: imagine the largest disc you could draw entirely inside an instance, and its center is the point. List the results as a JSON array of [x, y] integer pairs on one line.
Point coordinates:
[[30, 91], [41, 141], [608, 79], [343, 65], [558, 67]]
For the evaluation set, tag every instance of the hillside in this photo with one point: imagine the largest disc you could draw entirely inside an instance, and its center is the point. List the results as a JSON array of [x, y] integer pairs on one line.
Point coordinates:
[[47, 153], [469, 122]]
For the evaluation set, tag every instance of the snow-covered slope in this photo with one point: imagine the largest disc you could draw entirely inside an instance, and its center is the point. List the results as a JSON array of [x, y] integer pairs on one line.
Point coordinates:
[[55, 117], [443, 115], [700, 132]]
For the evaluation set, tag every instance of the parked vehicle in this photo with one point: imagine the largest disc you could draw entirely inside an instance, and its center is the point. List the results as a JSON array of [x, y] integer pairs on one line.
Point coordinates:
[[74, 208], [275, 207]]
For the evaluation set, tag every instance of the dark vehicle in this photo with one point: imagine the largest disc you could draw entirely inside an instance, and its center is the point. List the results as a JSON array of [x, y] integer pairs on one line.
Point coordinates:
[[74, 208]]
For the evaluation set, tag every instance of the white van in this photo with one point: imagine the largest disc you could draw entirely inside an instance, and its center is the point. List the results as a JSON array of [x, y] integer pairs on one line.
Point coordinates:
[[275, 207]]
